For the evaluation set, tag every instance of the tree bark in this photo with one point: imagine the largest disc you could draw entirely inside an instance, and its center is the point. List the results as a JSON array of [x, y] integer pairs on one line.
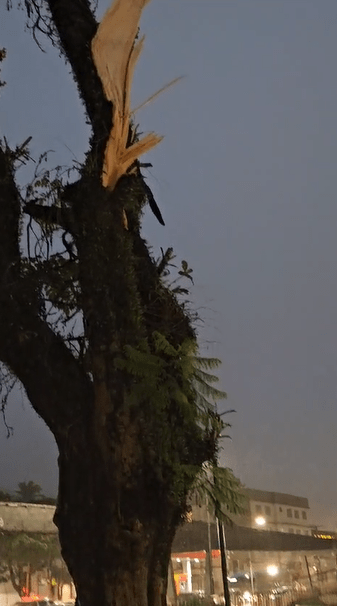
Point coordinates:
[[115, 526]]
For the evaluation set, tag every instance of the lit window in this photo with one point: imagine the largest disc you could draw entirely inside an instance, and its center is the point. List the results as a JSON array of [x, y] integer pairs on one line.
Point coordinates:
[[289, 513]]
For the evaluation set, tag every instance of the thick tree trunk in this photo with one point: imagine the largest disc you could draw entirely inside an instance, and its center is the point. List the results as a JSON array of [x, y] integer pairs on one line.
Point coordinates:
[[116, 525]]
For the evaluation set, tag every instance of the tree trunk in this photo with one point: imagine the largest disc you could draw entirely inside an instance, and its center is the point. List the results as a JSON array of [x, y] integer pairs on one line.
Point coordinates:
[[115, 523], [18, 578]]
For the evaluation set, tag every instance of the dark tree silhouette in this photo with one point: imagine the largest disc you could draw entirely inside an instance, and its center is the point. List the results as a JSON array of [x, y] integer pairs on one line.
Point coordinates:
[[29, 492], [104, 347], [21, 555], [5, 497]]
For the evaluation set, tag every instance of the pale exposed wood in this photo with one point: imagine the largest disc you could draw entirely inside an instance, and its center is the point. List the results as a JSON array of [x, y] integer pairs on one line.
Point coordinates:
[[115, 53]]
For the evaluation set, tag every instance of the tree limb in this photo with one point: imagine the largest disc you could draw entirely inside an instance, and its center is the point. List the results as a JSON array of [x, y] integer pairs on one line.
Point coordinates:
[[51, 375], [76, 26], [28, 346], [10, 216], [50, 215]]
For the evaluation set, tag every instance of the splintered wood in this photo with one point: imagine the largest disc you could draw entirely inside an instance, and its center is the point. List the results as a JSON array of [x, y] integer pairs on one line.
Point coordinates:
[[115, 53]]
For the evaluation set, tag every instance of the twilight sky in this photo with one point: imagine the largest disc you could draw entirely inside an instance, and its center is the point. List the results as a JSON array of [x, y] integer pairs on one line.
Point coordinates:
[[246, 181]]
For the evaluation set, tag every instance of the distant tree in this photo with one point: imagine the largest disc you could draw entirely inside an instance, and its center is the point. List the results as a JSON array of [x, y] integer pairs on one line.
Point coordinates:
[[4, 496], [21, 555], [60, 575], [29, 492]]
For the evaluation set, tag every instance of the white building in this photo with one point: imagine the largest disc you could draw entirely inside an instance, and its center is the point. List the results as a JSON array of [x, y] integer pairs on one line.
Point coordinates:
[[278, 511], [265, 511]]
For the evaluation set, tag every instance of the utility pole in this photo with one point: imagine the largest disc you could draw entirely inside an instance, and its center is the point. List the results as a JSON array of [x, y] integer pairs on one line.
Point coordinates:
[[221, 532], [209, 584], [251, 575], [222, 545], [309, 575]]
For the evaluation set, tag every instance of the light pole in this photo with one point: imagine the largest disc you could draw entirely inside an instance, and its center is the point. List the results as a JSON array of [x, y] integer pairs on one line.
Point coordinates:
[[222, 545], [220, 526], [251, 575], [209, 586]]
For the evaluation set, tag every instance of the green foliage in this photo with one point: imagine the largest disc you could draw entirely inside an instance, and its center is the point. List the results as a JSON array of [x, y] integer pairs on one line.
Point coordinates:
[[46, 185], [186, 271], [29, 492], [178, 396], [61, 285], [5, 497], [221, 490], [20, 550], [24, 549], [164, 265], [160, 375], [2, 57], [164, 372]]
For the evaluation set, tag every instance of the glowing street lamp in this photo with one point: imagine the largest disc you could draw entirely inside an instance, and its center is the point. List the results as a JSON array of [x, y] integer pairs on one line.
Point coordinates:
[[260, 521], [272, 570]]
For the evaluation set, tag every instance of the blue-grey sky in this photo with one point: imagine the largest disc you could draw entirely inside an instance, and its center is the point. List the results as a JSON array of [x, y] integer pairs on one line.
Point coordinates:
[[246, 180]]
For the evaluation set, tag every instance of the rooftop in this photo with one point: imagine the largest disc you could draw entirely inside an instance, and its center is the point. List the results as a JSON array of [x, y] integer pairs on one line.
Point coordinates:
[[279, 498], [194, 537]]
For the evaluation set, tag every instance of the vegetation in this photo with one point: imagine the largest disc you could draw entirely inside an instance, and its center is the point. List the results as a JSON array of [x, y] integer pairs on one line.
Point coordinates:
[[21, 555], [4, 496], [29, 492], [104, 345]]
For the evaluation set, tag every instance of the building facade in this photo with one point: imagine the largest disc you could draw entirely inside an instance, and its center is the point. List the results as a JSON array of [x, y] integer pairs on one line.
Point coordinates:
[[265, 511], [278, 511], [258, 562]]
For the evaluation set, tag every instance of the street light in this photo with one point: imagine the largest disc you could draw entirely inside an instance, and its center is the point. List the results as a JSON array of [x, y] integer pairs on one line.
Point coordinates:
[[260, 521], [272, 570]]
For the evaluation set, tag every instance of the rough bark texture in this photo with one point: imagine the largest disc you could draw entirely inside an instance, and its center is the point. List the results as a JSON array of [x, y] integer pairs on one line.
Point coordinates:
[[122, 484]]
